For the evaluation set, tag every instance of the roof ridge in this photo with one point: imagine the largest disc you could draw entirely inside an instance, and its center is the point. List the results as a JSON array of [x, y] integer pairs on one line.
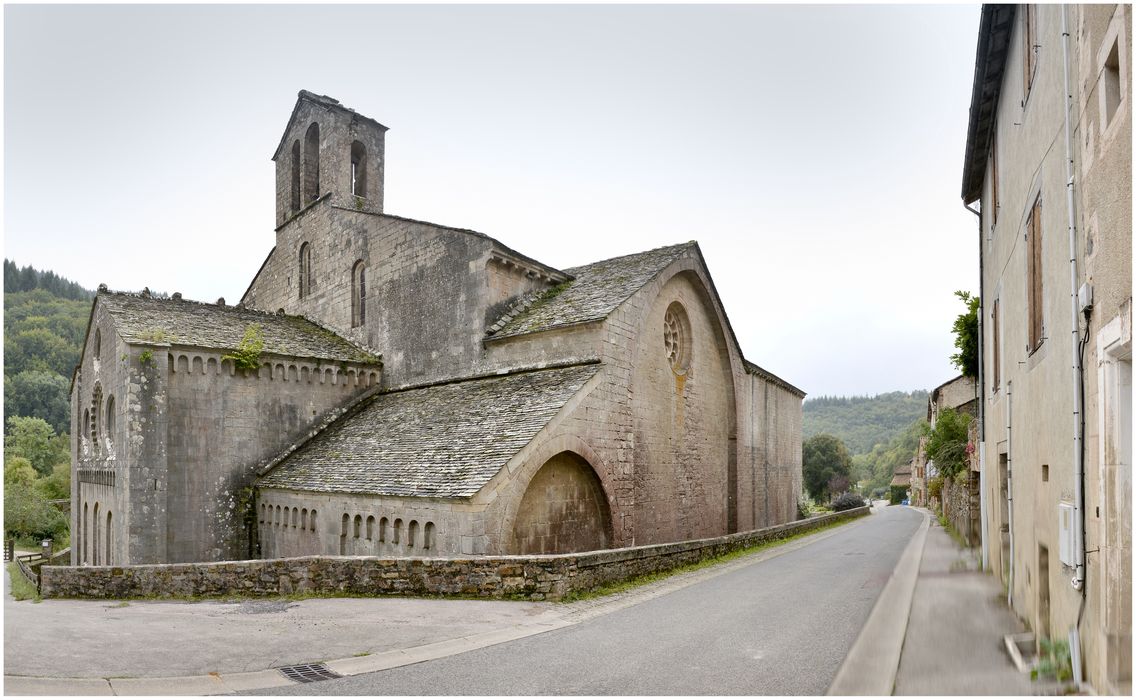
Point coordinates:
[[675, 246]]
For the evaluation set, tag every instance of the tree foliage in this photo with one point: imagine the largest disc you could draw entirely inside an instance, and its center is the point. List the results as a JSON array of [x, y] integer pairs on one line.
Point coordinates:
[[863, 422], [40, 394], [34, 440], [965, 330], [826, 463], [946, 442], [878, 466], [28, 514]]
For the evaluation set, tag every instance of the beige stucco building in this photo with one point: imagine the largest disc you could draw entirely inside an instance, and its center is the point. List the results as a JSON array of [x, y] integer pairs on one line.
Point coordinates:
[[421, 389], [1048, 159]]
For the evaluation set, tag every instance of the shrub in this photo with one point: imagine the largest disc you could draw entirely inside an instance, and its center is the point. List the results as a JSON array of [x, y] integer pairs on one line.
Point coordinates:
[[27, 514], [898, 493], [935, 487], [847, 501], [802, 509]]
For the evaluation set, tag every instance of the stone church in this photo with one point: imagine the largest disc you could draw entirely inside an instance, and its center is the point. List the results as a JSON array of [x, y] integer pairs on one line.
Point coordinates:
[[418, 390]]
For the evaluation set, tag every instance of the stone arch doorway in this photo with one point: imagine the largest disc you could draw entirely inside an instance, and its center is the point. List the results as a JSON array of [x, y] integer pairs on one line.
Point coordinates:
[[564, 510]]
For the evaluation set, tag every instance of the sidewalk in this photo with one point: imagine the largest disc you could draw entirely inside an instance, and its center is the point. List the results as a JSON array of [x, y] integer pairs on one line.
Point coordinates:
[[959, 617]]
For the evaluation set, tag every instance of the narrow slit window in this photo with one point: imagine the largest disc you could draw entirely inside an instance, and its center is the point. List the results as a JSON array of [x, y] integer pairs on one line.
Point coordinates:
[[359, 294], [359, 169], [311, 163]]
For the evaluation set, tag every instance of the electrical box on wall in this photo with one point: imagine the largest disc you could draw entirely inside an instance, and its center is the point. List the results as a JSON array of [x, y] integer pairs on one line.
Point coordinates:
[[1066, 523]]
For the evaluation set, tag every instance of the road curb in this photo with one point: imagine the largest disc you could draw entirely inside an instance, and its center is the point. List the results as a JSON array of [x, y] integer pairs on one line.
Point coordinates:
[[873, 661]]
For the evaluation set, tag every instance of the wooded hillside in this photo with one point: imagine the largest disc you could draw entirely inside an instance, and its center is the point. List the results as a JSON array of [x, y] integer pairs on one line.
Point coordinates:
[[863, 422]]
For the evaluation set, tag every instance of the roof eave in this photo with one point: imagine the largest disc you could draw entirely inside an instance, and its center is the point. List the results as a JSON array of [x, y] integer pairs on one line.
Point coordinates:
[[994, 33]]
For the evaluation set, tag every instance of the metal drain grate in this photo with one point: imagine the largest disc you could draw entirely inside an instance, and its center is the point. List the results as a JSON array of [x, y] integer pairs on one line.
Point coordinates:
[[308, 673]]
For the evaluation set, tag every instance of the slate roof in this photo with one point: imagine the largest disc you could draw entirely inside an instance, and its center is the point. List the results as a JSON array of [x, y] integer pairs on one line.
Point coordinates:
[[147, 320], [995, 28], [441, 441], [595, 292]]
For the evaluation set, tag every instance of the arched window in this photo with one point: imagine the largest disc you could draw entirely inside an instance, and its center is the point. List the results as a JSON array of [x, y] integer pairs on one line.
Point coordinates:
[[98, 343], [312, 520], [370, 527], [109, 541], [295, 517], [397, 528], [382, 529], [358, 526], [428, 541], [110, 420], [85, 427], [358, 294], [277, 521], [311, 163], [412, 533], [343, 534], [304, 519], [296, 176], [305, 269], [358, 169], [96, 409], [95, 537], [84, 528]]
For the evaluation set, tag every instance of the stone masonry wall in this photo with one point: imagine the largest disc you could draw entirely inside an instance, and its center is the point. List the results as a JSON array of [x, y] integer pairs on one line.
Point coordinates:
[[534, 577]]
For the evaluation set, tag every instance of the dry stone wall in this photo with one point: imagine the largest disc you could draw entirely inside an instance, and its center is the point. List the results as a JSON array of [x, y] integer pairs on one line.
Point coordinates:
[[533, 577]]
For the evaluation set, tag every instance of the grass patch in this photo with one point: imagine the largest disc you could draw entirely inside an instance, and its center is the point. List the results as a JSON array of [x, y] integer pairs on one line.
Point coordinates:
[[635, 582], [22, 588], [362, 653]]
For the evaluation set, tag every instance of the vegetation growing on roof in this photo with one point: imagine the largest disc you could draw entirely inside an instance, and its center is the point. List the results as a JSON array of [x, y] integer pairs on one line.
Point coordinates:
[[247, 354]]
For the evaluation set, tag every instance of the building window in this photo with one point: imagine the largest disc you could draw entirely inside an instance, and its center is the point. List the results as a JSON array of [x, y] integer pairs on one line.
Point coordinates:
[[110, 420], [96, 410], [305, 270], [98, 344], [428, 542], [997, 347], [358, 294], [311, 163], [1029, 48], [357, 533], [412, 533], [358, 169], [397, 529], [295, 176], [382, 529], [1110, 85], [676, 338], [1034, 274], [370, 527], [312, 520]]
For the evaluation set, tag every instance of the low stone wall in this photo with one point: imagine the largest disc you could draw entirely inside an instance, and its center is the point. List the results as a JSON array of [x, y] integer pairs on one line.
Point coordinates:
[[532, 577], [961, 506]]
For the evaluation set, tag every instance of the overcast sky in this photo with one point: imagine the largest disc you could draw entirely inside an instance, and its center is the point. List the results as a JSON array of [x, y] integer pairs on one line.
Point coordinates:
[[815, 153]]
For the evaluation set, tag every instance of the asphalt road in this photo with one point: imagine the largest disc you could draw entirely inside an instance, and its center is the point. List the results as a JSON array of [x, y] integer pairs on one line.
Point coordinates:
[[781, 627]]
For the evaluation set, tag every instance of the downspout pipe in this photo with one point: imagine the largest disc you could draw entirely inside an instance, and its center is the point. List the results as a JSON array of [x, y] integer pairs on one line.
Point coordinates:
[[1078, 581], [1010, 483], [981, 399]]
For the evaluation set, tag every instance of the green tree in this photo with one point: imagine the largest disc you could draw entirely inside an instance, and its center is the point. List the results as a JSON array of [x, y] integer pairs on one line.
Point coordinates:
[[34, 440], [28, 514], [18, 470], [39, 349], [965, 330], [57, 484], [946, 442], [826, 463], [39, 394]]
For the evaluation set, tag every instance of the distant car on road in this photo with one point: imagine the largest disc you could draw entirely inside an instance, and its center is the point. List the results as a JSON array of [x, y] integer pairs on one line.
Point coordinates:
[[905, 502]]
